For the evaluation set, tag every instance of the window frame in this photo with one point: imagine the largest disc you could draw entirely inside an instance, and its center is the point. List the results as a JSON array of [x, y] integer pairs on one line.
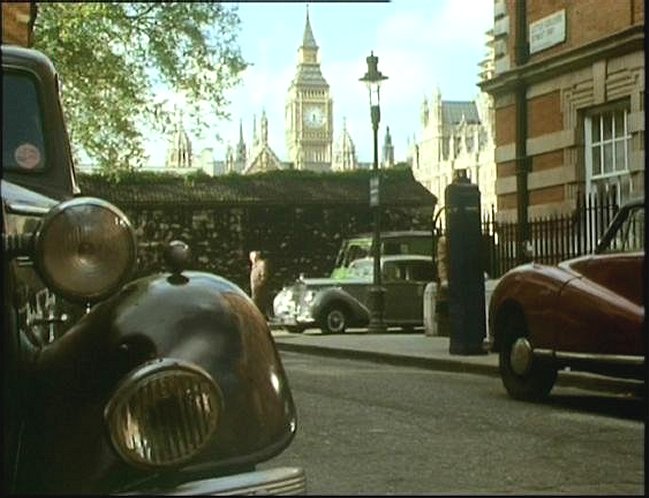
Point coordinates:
[[616, 177], [44, 148]]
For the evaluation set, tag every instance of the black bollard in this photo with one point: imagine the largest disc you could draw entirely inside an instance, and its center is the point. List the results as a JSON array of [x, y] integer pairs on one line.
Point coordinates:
[[466, 295]]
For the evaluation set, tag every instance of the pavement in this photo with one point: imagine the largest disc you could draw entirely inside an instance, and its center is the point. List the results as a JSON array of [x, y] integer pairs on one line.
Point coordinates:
[[428, 352]]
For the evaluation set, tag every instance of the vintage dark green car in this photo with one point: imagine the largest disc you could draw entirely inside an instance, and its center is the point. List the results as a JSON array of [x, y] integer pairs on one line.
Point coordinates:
[[165, 384], [392, 242], [336, 304]]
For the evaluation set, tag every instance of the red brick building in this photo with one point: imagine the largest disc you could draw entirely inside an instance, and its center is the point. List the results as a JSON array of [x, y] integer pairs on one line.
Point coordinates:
[[17, 22], [569, 90]]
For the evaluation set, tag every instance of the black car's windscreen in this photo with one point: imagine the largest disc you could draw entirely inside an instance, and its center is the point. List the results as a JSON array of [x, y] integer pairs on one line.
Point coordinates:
[[404, 244], [23, 144], [409, 245]]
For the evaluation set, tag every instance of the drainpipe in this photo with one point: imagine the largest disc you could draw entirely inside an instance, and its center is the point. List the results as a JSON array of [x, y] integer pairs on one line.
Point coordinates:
[[33, 12], [522, 160]]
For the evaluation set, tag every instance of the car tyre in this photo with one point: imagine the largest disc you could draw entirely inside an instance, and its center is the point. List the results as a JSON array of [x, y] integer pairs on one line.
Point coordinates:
[[334, 320], [294, 329], [532, 383]]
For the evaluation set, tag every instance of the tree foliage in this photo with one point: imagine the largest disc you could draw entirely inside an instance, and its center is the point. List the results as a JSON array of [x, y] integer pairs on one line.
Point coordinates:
[[113, 58]]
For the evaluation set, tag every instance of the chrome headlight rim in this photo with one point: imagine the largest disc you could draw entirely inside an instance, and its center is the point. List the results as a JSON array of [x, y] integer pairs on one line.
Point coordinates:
[[309, 296], [41, 242], [132, 384]]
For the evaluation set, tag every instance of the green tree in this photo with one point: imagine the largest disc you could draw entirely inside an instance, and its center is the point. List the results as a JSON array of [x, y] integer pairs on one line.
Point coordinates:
[[113, 58]]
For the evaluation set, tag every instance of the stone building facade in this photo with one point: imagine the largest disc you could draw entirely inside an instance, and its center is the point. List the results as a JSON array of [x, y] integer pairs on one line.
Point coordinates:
[[344, 152], [308, 129], [179, 153], [309, 110], [262, 158], [456, 136], [568, 88]]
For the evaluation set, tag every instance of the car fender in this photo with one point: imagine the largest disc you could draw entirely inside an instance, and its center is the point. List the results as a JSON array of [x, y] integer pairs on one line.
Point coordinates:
[[534, 290], [359, 312], [194, 316]]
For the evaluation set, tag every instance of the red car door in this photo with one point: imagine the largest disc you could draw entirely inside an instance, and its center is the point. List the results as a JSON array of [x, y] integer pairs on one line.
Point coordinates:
[[602, 312]]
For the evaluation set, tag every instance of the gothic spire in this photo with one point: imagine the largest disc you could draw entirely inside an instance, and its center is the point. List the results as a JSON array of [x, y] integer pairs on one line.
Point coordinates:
[[179, 154], [241, 148], [308, 40], [388, 150], [388, 136], [264, 127]]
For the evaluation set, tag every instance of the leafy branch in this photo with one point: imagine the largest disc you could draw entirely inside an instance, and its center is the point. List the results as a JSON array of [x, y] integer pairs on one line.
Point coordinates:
[[113, 58]]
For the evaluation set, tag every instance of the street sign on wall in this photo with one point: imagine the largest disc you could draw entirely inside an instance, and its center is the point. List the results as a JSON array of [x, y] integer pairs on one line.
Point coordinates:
[[548, 32]]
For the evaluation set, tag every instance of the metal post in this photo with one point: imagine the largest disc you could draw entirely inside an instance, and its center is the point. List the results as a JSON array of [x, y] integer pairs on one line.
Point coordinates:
[[376, 324], [522, 159], [373, 79]]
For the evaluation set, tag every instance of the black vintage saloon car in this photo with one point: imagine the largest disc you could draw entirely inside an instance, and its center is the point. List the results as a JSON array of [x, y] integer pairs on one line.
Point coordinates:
[[165, 384], [336, 304]]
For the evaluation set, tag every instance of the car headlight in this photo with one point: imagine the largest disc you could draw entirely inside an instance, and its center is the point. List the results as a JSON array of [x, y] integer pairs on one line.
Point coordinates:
[[308, 296], [282, 297], [163, 414], [283, 300], [85, 249]]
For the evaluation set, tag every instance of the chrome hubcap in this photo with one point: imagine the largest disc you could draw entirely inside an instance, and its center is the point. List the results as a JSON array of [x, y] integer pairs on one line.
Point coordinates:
[[521, 356], [335, 320]]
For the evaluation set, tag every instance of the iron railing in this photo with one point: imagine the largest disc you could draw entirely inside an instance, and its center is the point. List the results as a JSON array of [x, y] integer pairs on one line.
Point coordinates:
[[553, 238]]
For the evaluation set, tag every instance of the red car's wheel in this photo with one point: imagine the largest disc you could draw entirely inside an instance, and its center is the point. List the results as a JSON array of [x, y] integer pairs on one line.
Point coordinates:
[[525, 377]]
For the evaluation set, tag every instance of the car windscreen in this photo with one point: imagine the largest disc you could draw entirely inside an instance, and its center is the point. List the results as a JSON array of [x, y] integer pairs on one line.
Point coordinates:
[[23, 143], [356, 250], [361, 268], [630, 235]]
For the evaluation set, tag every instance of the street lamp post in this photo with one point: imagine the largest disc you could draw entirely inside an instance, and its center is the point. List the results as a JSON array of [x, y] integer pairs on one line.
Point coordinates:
[[373, 79]]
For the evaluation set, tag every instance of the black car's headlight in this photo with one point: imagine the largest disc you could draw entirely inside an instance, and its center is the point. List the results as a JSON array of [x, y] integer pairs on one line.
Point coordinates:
[[163, 414], [85, 249], [283, 301], [309, 296]]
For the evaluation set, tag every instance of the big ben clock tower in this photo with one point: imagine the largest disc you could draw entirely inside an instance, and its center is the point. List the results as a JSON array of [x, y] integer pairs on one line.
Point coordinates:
[[309, 119]]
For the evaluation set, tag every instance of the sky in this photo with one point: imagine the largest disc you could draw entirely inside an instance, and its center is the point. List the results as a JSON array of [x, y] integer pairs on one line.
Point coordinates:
[[421, 45]]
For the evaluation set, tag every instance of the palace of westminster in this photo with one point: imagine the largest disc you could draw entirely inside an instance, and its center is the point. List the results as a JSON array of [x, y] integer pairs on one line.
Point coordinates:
[[454, 135]]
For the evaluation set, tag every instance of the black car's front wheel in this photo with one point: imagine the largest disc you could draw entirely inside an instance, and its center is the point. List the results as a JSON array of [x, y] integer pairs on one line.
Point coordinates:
[[295, 329], [334, 320], [524, 376]]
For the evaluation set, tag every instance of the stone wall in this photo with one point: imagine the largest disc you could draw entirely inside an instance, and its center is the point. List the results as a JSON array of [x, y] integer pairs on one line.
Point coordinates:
[[295, 239]]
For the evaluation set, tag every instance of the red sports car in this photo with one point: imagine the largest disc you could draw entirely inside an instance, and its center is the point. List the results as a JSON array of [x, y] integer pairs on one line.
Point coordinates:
[[585, 313]]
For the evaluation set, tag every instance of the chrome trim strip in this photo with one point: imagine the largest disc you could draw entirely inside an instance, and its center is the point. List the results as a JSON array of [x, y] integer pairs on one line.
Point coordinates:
[[604, 358], [275, 481], [27, 209]]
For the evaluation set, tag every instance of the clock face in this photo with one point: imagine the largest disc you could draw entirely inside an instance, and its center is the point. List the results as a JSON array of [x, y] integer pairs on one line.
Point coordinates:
[[314, 117]]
